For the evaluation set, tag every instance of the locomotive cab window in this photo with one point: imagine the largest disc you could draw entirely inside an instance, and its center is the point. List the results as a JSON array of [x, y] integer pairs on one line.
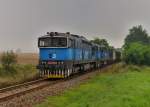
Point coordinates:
[[53, 42]]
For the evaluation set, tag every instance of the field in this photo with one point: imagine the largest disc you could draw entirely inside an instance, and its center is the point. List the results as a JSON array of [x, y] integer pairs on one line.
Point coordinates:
[[117, 86], [25, 70], [26, 58]]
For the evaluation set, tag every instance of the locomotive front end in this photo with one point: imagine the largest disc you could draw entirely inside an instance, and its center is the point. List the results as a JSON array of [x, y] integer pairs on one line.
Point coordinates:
[[54, 55]]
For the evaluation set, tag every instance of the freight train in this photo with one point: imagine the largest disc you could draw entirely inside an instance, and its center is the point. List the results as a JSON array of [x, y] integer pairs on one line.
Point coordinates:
[[63, 54]]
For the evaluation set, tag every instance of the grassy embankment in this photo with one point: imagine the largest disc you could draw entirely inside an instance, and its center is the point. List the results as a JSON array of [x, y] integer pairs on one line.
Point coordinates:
[[24, 70], [119, 86]]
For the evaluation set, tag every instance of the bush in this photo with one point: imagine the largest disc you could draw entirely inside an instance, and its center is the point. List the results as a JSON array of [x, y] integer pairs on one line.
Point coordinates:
[[147, 55], [137, 53], [8, 61], [23, 73]]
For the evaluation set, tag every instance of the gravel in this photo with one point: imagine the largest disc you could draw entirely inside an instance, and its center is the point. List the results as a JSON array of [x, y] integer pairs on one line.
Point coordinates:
[[38, 96]]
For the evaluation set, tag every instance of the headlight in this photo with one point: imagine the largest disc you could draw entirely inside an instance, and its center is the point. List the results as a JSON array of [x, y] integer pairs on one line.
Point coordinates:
[[43, 62]]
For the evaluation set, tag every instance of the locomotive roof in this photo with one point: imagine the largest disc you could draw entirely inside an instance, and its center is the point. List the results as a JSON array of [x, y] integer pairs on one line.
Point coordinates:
[[51, 34]]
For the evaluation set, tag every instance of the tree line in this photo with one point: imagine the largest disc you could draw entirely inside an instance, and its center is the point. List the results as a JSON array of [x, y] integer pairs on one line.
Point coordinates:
[[136, 48], [102, 42]]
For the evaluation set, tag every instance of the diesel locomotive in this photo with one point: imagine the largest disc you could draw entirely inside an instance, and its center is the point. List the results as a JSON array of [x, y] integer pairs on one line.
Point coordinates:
[[64, 54]]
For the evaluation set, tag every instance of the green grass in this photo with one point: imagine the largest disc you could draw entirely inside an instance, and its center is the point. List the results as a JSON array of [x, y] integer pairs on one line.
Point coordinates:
[[120, 86]]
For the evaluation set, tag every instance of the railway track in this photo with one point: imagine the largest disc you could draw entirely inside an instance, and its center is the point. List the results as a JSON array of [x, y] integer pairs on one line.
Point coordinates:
[[20, 89]]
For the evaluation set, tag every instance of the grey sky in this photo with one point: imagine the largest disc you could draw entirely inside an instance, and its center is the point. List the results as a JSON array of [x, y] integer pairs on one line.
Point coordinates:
[[22, 21]]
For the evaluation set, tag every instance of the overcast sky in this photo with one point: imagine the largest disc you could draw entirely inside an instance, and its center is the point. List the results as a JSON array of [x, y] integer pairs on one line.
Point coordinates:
[[23, 21]]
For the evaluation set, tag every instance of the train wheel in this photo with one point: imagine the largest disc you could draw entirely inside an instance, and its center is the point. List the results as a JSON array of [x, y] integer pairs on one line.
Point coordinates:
[[69, 72], [65, 73]]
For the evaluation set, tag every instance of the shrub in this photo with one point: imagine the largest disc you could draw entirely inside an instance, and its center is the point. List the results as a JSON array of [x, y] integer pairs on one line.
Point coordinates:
[[8, 61], [137, 53], [147, 55]]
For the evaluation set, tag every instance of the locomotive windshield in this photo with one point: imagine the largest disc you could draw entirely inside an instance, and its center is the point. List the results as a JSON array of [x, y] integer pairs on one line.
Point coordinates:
[[53, 42]]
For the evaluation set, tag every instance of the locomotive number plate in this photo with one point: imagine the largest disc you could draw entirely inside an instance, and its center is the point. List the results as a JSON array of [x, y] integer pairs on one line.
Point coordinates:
[[52, 63]]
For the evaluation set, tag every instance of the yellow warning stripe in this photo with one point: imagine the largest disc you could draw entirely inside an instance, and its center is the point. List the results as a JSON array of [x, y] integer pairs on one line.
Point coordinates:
[[55, 76]]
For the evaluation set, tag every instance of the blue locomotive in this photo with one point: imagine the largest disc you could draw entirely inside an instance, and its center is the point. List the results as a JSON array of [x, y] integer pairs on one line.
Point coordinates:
[[64, 54]]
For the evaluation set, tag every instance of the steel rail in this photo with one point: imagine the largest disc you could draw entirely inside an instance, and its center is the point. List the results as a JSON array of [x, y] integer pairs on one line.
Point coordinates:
[[19, 85], [20, 89]]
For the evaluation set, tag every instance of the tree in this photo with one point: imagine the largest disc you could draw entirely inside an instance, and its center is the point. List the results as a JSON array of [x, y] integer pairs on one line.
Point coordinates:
[[100, 42], [137, 53], [137, 34], [136, 49], [133, 54], [8, 60], [147, 55]]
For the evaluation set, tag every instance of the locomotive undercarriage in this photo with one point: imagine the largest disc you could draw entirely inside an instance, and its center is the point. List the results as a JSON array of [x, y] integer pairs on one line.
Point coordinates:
[[67, 69], [59, 73], [57, 69]]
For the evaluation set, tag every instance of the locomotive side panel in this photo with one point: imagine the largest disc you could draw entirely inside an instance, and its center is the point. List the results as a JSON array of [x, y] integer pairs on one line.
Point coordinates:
[[56, 54]]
